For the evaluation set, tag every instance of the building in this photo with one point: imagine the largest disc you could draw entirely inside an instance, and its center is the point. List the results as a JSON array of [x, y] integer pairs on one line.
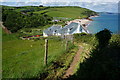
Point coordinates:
[[70, 29], [51, 30]]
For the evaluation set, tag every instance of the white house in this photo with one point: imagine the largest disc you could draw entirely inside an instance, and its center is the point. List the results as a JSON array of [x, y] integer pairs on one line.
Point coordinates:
[[70, 29], [51, 30]]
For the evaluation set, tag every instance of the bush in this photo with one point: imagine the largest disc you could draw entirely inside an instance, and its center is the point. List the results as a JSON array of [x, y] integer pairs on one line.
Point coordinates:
[[83, 37], [15, 21], [77, 35], [103, 37]]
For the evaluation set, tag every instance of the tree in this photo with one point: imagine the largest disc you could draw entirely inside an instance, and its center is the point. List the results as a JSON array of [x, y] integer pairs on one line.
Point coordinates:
[[14, 21], [40, 5], [17, 20], [103, 37]]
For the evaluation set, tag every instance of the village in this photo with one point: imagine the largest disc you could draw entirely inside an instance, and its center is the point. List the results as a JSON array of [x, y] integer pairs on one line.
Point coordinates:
[[71, 27]]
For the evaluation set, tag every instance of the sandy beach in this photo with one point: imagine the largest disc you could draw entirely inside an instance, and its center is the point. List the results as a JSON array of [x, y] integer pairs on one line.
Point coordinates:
[[82, 21], [85, 21]]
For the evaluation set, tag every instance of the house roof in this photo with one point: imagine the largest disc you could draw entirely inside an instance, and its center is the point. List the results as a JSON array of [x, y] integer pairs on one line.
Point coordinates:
[[72, 30], [67, 29], [73, 24], [52, 28], [72, 27]]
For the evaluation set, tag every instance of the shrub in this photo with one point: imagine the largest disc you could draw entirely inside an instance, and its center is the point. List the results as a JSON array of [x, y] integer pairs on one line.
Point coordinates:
[[103, 37]]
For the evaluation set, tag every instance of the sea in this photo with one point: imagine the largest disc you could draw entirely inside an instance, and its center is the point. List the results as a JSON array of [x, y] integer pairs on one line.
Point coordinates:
[[109, 21]]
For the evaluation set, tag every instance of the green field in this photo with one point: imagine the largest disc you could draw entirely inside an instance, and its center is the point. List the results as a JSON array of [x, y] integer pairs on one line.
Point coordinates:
[[66, 12], [25, 58], [56, 11], [0, 53]]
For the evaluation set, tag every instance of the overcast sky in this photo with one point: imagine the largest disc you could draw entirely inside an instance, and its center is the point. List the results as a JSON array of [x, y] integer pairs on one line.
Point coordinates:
[[44, 1], [96, 5]]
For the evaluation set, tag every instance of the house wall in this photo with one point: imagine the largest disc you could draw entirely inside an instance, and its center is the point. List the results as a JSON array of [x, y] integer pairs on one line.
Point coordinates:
[[83, 31], [45, 35], [58, 34]]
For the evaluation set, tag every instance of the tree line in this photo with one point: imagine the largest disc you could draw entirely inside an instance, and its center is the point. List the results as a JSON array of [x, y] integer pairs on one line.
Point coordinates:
[[15, 21]]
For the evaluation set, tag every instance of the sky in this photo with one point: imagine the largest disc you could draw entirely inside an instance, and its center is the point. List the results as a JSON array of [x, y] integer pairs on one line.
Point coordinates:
[[44, 1], [95, 5]]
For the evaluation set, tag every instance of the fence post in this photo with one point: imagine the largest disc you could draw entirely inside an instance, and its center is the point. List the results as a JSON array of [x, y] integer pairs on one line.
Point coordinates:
[[46, 51], [66, 45]]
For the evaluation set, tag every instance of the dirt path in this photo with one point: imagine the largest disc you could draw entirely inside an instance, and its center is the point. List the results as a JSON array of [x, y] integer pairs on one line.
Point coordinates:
[[4, 28], [72, 67]]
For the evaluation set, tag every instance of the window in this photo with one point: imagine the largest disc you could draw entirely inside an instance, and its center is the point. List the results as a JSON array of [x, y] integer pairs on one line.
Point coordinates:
[[71, 28], [55, 30]]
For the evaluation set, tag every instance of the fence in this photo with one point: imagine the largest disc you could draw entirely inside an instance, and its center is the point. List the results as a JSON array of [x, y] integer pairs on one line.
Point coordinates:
[[67, 41]]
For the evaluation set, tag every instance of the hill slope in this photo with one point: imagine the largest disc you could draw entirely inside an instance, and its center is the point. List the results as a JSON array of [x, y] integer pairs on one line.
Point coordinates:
[[67, 12]]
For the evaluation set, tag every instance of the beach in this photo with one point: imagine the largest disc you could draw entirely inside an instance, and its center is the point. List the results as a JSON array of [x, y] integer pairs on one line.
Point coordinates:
[[81, 21], [84, 23]]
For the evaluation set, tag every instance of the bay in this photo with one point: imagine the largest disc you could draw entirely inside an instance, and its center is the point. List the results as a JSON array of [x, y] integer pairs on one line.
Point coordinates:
[[104, 20]]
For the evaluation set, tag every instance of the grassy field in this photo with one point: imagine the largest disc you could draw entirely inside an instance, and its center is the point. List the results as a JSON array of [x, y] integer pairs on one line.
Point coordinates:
[[24, 58], [33, 31], [67, 12], [61, 11], [0, 53]]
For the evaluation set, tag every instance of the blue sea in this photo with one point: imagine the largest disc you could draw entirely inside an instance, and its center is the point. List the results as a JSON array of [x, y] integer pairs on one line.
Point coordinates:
[[104, 20]]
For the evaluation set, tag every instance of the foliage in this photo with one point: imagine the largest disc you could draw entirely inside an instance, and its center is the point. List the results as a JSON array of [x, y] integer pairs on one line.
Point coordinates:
[[101, 62], [89, 13], [103, 37], [77, 35], [14, 20], [58, 67], [85, 38]]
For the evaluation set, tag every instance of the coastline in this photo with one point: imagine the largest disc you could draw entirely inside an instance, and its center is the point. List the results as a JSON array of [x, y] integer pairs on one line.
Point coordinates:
[[94, 16], [108, 21], [84, 22], [90, 20]]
